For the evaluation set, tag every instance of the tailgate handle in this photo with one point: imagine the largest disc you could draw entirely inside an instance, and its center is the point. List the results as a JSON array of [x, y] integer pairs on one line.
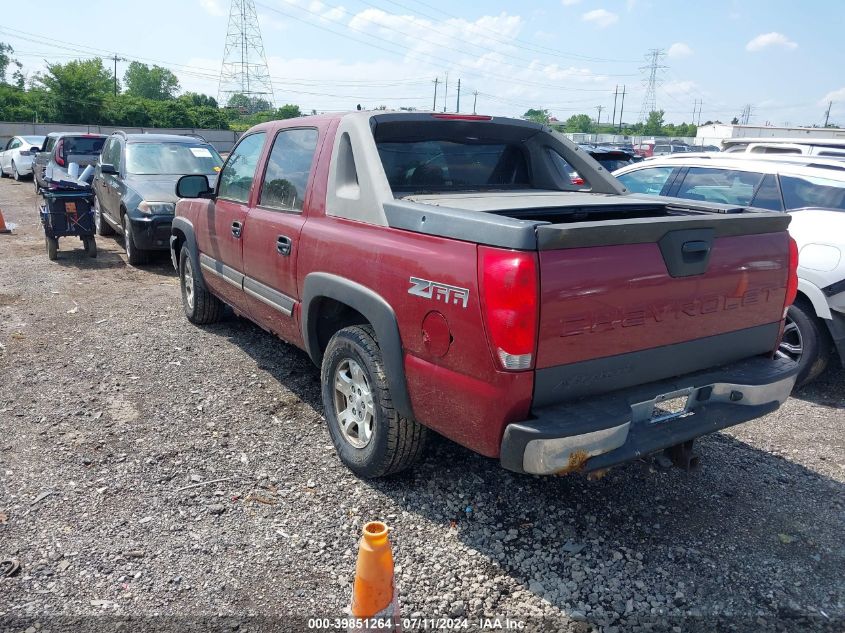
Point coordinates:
[[698, 248]]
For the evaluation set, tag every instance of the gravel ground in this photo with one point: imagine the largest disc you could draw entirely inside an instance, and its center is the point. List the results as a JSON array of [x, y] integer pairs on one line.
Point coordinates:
[[111, 402]]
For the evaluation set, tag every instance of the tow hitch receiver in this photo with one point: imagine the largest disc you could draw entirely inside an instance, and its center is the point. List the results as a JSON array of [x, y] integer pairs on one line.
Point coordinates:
[[683, 456]]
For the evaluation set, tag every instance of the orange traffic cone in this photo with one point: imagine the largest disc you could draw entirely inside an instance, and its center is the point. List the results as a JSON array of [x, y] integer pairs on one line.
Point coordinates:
[[374, 590], [3, 227]]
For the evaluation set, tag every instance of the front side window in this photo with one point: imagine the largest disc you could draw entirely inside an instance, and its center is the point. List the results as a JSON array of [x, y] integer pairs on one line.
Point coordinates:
[[236, 178], [725, 186], [650, 180], [810, 191], [152, 159], [288, 169]]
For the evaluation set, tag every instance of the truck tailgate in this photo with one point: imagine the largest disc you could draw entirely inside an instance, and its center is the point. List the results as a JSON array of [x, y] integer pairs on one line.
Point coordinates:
[[629, 301]]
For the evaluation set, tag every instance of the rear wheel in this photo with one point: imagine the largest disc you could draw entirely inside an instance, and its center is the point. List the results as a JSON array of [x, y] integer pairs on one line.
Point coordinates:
[[805, 341], [15, 173], [100, 223], [134, 255], [201, 307], [370, 437], [52, 247], [90, 246]]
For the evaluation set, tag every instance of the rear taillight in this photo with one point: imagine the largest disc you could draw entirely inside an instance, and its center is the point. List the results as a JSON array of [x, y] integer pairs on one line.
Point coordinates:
[[58, 153], [509, 298], [792, 276]]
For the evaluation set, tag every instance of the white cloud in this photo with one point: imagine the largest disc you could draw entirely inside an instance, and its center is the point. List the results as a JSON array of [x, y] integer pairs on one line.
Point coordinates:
[[569, 3], [679, 49], [836, 95], [600, 17], [214, 7], [682, 88], [770, 39]]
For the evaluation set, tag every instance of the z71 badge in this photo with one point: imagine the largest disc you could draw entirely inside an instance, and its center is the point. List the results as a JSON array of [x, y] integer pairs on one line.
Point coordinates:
[[439, 292]]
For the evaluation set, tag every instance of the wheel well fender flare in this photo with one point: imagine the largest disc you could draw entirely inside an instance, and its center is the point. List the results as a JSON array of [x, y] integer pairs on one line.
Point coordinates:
[[816, 298], [182, 233], [378, 313]]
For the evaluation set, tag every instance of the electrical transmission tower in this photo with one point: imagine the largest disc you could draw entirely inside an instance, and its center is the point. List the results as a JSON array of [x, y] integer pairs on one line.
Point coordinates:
[[651, 81], [746, 114], [244, 71]]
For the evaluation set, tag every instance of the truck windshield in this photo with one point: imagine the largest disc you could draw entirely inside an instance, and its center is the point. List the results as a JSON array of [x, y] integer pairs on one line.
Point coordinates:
[[453, 165], [147, 159]]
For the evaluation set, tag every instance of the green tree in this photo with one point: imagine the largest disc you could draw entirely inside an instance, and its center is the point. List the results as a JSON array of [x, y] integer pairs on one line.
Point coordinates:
[[150, 82], [7, 62], [579, 123], [654, 124], [77, 89], [288, 111], [538, 116], [242, 104], [198, 100]]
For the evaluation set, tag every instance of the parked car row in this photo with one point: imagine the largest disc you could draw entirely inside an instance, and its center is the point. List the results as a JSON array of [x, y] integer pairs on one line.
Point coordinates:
[[812, 189]]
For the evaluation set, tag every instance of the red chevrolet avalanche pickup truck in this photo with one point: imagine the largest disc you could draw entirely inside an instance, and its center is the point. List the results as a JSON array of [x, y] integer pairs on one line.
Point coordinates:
[[445, 274]]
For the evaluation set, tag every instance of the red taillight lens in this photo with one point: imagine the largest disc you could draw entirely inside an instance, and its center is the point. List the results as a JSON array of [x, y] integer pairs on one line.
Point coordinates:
[[509, 297], [792, 279], [60, 146], [577, 180]]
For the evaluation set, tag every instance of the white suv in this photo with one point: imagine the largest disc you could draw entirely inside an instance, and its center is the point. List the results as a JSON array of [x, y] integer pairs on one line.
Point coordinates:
[[812, 190]]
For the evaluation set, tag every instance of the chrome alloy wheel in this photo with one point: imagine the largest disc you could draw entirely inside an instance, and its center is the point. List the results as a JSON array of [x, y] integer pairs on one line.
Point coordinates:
[[353, 403], [791, 344], [188, 281]]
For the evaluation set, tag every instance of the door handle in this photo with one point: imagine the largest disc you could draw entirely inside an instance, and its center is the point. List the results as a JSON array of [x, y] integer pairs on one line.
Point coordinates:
[[283, 245], [237, 227]]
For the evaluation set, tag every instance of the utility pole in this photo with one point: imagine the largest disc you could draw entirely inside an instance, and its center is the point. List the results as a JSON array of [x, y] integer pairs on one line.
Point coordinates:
[[700, 103], [598, 119], [827, 114], [434, 104], [622, 108], [615, 94], [694, 106], [474, 100], [446, 92], [458, 105], [116, 59]]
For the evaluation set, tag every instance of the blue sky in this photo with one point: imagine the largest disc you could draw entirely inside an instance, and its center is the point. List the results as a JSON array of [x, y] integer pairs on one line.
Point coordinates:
[[783, 58]]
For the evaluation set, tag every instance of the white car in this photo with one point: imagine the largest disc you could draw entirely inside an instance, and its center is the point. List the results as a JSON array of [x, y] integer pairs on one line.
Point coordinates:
[[812, 190], [833, 147], [16, 158]]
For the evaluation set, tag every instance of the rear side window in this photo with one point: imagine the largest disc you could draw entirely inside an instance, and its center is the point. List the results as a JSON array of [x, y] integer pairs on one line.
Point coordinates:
[[236, 178], [566, 171], [768, 194], [834, 154], [447, 165], [650, 180], [725, 186], [810, 191], [288, 168]]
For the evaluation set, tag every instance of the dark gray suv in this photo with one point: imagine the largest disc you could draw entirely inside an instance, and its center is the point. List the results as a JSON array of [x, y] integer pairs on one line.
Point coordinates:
[[135, 186]]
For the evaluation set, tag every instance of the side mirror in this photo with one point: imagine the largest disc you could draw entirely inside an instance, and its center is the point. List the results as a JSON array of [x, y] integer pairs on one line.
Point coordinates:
[[107, 168], [193, 186], [34, 150]]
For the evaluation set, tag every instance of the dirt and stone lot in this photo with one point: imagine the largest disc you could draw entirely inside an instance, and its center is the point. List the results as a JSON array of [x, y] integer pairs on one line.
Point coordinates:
[[111, 403]]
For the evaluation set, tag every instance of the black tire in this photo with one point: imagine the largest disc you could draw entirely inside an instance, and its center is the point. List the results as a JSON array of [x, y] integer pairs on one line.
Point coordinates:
[[103, 227], [90, 246], [396, 442], [201, 307], [52, 247], [134, 255], [811, 334]]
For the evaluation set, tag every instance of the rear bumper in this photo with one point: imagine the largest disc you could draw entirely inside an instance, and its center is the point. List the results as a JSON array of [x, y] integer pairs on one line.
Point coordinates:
[[603, 431], [152, 233]]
